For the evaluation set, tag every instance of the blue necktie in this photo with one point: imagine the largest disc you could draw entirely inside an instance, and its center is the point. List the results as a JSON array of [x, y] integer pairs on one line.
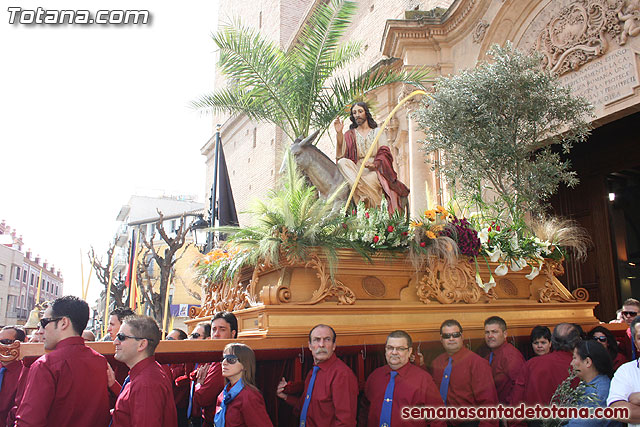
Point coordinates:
[[126, 381], [2, 375], [193, 386], [387, 402], [444, 385], [490, 357], [307, 399]]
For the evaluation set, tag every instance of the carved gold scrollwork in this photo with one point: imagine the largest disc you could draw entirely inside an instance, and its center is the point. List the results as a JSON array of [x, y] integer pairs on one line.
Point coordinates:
[[450, 284], [9, 353], [328, 288], [553, 290]]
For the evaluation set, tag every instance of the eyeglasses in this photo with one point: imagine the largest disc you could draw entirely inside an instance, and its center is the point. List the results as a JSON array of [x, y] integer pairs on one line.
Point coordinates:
[[195, 335], [170, 338], [46, 320], [231, 359], [122, 337], [391, 348], [630, 313], [601, 339], [7, 341], [451, 335]]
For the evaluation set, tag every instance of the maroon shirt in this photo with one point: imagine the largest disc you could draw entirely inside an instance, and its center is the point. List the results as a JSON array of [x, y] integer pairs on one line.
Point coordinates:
[[413, 387], [147, 400], [9, 388], [66, 387], [618, 361], [246, 410], [334, 400], [22, 385], [205, 395], [506, 367], [471, 382], [540, 377]]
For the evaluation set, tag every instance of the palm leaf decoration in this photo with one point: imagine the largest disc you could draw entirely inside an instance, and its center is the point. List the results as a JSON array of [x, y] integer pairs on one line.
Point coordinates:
[[298, 89]]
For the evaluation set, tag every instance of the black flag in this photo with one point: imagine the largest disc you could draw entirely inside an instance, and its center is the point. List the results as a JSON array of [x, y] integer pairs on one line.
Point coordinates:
[[227, 214]]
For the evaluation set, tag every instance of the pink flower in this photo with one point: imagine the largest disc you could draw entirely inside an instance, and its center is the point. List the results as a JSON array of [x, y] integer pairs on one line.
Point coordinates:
[[366, 215], [404, 233], [375, 239], [353, 212], [423, 244], [390, 228], [497, 228]]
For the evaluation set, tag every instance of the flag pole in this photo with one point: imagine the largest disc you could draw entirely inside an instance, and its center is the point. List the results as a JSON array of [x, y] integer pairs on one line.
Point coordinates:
[[166, 305], [108, 297]]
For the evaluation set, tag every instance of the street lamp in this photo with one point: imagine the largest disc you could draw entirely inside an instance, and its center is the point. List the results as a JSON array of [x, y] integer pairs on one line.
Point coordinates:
[[200, 230]]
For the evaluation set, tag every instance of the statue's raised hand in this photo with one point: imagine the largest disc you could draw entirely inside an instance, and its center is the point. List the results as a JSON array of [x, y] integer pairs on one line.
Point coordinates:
[[338, 125]]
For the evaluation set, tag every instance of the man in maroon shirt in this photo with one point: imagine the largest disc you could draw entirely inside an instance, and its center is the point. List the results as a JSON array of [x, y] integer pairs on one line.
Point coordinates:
[[463, 377], [506, 361], [146, 398], [68, 385], [175, 371], [331, 388], [115, 321], [399, 384], [208, 378], [36, 337], [541, 376], [9, 371]]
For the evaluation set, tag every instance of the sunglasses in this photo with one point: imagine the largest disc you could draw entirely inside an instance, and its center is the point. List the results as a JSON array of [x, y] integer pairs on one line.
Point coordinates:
[[46, 320], [122, 337], [170, 338], [195, 335], [231, 359], [451, 335], [601, 339], [630, 313], [6, 341]]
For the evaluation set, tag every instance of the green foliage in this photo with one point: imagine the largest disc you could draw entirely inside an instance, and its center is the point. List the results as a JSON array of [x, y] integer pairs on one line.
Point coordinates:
[[567, 396], [495, 127], [298, 89]]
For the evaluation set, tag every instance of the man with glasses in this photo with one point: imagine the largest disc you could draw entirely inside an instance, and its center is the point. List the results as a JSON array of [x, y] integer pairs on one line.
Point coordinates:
[[630, 310], [176, 371], [115, 321], [9, 371], [506, 361], [624, 391], [397, 385], [68, 385], [463, 378], [146, 398], [330, 390], [208, 380]]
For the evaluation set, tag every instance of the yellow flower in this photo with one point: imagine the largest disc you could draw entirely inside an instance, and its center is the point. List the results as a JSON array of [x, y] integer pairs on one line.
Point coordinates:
[[431, 234], [430, 215], [440, 209], [416, 224], [437, 228]]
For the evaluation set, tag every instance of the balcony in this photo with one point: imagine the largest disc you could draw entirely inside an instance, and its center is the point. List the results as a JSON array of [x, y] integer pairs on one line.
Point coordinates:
[[18, 313]]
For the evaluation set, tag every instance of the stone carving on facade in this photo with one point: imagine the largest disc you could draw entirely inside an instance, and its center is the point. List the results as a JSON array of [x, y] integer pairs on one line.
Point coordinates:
[[449, 284], [479, 31], [583, 30]]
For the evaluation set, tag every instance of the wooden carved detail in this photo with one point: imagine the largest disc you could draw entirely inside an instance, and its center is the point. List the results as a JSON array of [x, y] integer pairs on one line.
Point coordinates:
[[374, 286], [328, 288], [10, 352], [508, 287], [553, 290], [449, 284], [226, 296], [578, 34], [275, 294]]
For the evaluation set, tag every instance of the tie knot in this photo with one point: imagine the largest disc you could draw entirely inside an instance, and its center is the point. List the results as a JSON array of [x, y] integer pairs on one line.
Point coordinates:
[[393, 374], [316, 368]]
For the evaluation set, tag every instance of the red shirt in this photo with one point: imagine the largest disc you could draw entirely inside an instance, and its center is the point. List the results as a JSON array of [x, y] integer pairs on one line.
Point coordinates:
[[334, 400], [471, 382], [505, 367], [540, 377], [247, 409], [9, 387], [66, 387], [22, 385], [618, 361], [147, 400], [178, 374], [205, 395], [413, 387]]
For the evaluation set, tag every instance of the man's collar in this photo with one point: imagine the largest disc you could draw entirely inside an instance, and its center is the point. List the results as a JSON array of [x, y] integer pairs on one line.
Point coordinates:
[[327, 363], [141, 365]]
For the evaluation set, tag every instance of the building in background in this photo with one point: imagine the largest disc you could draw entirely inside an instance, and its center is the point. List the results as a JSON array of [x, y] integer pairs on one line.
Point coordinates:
[[19, 274]]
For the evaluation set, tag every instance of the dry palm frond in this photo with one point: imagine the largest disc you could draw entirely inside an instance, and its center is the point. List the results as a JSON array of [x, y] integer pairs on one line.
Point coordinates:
[[565, 233]]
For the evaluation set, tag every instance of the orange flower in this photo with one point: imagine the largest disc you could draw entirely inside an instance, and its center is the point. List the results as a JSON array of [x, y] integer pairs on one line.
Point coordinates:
[[430, 234], [416, 224], [430, 215]]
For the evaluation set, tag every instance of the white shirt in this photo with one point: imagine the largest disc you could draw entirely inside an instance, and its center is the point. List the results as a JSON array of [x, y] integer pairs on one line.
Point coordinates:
[[625, 381]]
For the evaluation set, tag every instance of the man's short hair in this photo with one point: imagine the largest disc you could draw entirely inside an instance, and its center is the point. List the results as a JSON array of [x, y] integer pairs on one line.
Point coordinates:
[[121, 313], [20, 334], [632, 326], [75, 309], [228, 317], [207, 328], [496, 320], [632, 301], [145, 327], [182, 335], [565, 336], [321, 325], [401, 334], [450, 322]]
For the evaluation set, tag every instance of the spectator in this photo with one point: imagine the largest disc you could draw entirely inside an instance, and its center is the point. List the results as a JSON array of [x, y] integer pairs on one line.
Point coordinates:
[[606, 338], [540, 340]]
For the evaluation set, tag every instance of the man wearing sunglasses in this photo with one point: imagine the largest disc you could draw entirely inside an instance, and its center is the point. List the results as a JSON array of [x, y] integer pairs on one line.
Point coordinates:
[[146, 398], [9, 371], [630, 310], [463, 378], [68, 385], [398, 384], [115, 321], [208, 380]]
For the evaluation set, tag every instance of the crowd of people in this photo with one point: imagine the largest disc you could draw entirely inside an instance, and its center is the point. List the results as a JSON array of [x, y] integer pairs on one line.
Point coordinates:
[[72, 385]]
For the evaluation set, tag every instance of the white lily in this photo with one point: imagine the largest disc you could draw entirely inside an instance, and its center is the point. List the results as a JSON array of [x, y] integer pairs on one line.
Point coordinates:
[[479, 279], [502, 270], [534, 273], [490, 284], [517, 265], [483, 235], [495, 255]]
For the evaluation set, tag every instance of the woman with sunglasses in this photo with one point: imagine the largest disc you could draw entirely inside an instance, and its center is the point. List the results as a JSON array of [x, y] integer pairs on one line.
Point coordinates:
[[240, 403], [592, 364], [606, 338]]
